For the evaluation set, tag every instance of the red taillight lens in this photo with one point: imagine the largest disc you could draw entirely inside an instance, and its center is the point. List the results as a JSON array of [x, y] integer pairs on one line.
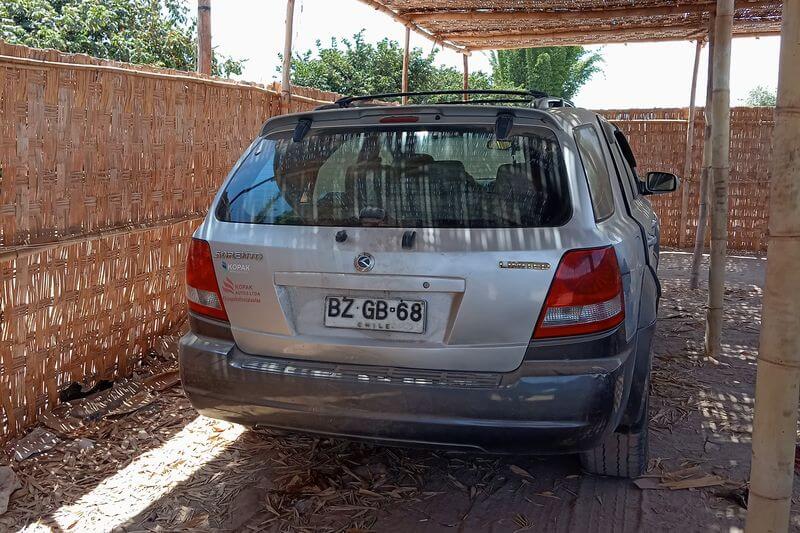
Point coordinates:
[[585, 297], [202, 289]]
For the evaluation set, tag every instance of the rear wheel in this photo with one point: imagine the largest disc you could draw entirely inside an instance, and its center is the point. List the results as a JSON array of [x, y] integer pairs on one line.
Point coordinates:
[[624, 453]]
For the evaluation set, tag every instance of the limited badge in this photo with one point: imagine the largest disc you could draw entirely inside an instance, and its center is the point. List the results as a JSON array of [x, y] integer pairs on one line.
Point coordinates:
[[525, 265]]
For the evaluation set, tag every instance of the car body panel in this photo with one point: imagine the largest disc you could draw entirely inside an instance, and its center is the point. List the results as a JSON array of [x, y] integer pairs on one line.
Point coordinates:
[[555, 394], [467, 331]]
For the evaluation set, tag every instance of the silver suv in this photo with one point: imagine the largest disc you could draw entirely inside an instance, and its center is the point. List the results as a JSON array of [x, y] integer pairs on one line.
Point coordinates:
[[479, 275]]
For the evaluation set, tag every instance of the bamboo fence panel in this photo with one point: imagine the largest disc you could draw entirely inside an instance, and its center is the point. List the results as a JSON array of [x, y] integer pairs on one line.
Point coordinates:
[[107, 168]]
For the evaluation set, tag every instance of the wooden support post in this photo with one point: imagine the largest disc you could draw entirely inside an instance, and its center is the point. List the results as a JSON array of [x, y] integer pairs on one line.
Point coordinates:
[[687, 166], [720, 170], [466, 76], [286, 69], [406, 58], [702, 207], [777, 384], [204, 36]]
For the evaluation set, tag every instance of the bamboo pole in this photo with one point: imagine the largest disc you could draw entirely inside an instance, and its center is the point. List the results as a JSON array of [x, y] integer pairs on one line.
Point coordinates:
[[204, 36], [466, 77], [595, 15], [485, 37], [775, 423], [406, 58], [720, 171], [647, 29], [702, 207], [687, 166], [286, 69], [15, 253], [577, 38]]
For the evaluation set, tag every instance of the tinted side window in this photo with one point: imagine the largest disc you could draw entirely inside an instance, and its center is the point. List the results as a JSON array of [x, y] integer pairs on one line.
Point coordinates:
[[594, 162], [629, 161], [624, 172]]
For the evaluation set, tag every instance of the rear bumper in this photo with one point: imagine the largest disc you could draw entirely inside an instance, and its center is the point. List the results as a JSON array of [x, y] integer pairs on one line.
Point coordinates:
[[542, 407]]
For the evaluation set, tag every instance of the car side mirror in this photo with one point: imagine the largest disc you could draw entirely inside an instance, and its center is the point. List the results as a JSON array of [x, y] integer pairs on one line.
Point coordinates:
[[661, 183]]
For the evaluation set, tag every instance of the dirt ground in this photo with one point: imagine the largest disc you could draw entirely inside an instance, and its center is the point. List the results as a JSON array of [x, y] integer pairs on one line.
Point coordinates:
[[163, 468]]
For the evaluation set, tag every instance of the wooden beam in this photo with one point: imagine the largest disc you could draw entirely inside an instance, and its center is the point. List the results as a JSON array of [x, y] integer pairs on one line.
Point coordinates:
[[579, 39], [375, 4], [481, 36], [778, 377], [286, 69], [406, 58], [204, 36], [720, 173], [619, 33], [523, 16], [687, 161]]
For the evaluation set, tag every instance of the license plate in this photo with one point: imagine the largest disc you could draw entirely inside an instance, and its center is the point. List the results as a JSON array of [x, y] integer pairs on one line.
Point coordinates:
[[377, 314]]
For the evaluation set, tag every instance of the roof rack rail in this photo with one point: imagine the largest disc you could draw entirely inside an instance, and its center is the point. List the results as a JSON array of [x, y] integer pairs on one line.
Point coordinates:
[[527, 96], [488, 101]]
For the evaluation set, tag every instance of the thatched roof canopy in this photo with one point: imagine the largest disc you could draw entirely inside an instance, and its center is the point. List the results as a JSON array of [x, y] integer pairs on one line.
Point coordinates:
[[496, 24]]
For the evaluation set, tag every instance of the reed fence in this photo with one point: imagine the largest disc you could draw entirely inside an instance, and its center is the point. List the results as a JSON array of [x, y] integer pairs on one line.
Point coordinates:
[[107, 168], [658, 138]]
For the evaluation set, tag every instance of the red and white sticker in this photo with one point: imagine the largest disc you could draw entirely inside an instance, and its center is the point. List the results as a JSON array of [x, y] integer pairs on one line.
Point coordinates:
[[240, 292]]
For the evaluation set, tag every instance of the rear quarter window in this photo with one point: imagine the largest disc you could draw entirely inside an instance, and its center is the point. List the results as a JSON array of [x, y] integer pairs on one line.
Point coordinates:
[[597, 176]]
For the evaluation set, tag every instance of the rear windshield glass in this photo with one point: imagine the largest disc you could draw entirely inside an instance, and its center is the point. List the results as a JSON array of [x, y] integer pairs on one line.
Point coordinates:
[[431, 178]]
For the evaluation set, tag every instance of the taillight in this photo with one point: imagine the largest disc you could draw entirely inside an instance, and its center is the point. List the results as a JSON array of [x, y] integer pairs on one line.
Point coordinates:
[[585, 296], [202, 289]]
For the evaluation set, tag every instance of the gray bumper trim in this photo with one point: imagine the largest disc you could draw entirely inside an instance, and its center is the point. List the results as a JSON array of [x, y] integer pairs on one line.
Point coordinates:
[[372, 374], [542, 407]]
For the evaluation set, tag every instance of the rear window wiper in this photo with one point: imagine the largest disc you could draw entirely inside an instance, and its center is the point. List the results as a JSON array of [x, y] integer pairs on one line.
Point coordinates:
[[225, 204], [248, 189]]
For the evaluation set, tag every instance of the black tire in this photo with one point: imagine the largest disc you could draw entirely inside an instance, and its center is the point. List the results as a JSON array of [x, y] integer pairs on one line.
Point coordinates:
[[624, 453]]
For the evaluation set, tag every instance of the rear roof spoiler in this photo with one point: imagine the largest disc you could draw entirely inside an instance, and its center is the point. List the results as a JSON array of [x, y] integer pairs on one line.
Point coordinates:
[[300, 124]]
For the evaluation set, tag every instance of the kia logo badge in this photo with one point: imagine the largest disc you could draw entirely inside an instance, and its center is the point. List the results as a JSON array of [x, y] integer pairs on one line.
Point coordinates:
[[364, 262]]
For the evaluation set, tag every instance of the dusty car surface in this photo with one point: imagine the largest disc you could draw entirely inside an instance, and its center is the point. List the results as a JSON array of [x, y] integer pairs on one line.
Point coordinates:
[[479, 275]]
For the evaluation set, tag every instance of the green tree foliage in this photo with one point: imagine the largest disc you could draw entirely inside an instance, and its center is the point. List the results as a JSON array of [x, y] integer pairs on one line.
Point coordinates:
[[761, 96], [354, 66], [152, 32], [559, 70]]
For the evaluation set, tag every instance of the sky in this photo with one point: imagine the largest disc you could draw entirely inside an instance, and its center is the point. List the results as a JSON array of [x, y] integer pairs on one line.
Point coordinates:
[[634, 75]]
